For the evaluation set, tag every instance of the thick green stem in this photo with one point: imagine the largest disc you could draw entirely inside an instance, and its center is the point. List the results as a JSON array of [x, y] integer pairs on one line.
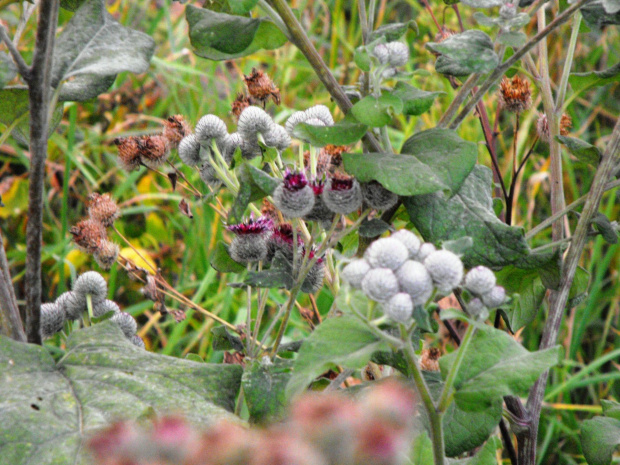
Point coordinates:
[[570, 55], [446, 394]]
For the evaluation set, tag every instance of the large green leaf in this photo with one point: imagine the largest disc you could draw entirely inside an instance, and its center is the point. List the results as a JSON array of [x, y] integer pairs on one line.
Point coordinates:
[[93, 48], [464, 431], [465, 53], [264, 389], [470, 213], [585, 152], [392, 31], [221, 260], [345, 341], [485, 456], [342, 133], [600, 436], [495, 366], [49, 407], [582, 81], [7, 69], [415, 101], [531, 293], [432, 160], [220, 36], [595, 15], [377, 111]]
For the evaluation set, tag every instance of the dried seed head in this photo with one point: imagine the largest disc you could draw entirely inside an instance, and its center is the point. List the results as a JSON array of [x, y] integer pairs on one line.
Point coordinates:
[[542, 126], [88, 235], [72, 304], [240, 104], [91, 283], [415, 280], [342, 194], [175, 129], [399, 308], [269, 210], [52, 319], [380, 284], [128, 153], [515, 94], [154, 150], [355, 272], [495, 297], [425, 250], [480, 280], [429, 361], [294, 197], [261, 87], [103, 209], [446, 269], [210, 127], [398, 53], [409, 240], [126, 323], [254, 120], [277, 137], [386, 253], [107, 254], [377, 196], [189, 150], [137, 341], [105, 307]]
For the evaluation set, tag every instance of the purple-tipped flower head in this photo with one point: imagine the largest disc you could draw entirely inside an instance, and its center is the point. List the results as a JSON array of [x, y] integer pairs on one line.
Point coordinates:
[[261, 225], [294, 197], [342, 194], [319, 212], [250, 241], [282, 239]]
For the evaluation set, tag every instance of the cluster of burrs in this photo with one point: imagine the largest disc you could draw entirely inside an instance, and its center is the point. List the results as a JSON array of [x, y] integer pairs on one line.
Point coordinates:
[[71, 305], [391, 55], [401, 273]]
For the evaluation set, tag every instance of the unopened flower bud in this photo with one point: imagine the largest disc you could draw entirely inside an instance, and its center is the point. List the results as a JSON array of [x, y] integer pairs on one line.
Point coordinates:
[[189, 150], [282, 240], [91, 283], [209, 128], [277, 137], [446, 269], [429, 361], [175, 129], [72, 304], [398, 53], [495, 297], [342, 195], [52, 319], [322, 113], [208, 174], [250, 242], [319, 213], [508, 10], [415, 280], [230, 145], [295, 119], [410, 240], [315, 122], [103, 209], [107, 254], [381, 53], [355, 272], [377, 196], [294, 197], [477, 309], [250, 149], [399, 308], [425, 250], [254, 120], [137, 341], [480, 280], [386, 253], [126, 323], [542, 126], [314, 280], [105, 307], [380, 284]]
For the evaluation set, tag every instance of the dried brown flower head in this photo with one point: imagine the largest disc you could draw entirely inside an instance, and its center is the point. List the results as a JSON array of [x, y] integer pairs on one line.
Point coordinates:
[[429, 359], [154, 150], [129, 152], [107, 254], [89, 235], [175, 129], [103, 209], [515, 94], [542, 126], [335, 152], [270, 211], [240, 104], [261, 87]]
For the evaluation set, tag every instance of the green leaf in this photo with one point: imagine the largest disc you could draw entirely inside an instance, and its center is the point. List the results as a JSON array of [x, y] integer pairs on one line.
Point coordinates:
[[585, 152], [611, 409], [341, 133], [465, 53], [50, 408], [241, 7], [582, 81], [220, 36], [432, 160], [514, 39], [422, 450], [263, 181], [377, 111], [531, 293], [373, 228], [494, 366], [8, 71], [280, 275], [464, 431], [93, 48], [71, 5], [415, 101], [458, 246], [595, 16], [223, 340], [393, 31], [345, 341], [600, 436], [606, 228], [485, 456], [362, 59], [264, 389], [470, 213], [579, 289], [221, 260], [240, 205]]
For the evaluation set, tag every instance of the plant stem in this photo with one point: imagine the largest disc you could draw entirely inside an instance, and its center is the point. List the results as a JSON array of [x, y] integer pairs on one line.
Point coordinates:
[[556, 307], [10, 319], [570, 54], [39, 87], [22, 67], [446, 394], [302, 41], [500, 70]]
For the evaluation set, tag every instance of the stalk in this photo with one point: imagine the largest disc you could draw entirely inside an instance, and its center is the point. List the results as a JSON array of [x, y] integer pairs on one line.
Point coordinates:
[[446, 394], [10, 319]]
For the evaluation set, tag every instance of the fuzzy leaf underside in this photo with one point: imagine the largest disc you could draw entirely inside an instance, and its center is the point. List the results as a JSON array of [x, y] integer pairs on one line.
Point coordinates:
[[48, 408]]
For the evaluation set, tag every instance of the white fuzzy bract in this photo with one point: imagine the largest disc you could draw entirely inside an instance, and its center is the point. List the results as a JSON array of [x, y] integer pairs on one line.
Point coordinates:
[[399, 308], [398, 53], [386, 253], [425, 250], [72, 304], [415, 280], [480, 280], [495, 297], [446, 269], [189, 150], [380, 284], [409, 240], [355, 272], [210, 127], [52, 319]]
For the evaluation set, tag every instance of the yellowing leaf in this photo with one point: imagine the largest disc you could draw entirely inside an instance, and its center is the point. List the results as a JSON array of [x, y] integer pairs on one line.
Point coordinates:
[[143, 260], [15, 199]]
